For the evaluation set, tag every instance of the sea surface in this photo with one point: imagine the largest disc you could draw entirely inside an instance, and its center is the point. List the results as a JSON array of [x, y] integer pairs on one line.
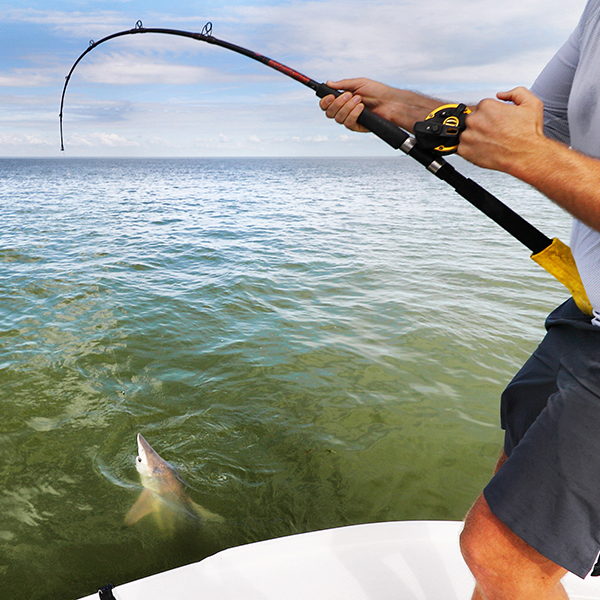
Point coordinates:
[[311, 342]]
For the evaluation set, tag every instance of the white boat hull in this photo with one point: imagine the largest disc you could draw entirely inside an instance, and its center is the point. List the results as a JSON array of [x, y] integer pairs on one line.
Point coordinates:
[[406, 560]]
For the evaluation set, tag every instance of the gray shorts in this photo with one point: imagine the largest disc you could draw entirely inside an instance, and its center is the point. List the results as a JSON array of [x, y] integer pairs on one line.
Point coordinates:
[[548, 491]]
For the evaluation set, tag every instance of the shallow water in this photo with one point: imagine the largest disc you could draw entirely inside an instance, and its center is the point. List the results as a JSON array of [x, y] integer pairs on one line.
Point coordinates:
[[312, 342]]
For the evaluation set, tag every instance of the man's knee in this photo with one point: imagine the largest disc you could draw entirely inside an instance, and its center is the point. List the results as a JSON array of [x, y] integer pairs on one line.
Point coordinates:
[[475, 537], [487, 544], [499, 559]]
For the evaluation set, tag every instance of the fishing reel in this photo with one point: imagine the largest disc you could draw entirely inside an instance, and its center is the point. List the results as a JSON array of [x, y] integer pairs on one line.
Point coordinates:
[[441, 129]]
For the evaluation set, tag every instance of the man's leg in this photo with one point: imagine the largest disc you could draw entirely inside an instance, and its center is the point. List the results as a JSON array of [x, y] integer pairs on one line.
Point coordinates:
[[504, 566]]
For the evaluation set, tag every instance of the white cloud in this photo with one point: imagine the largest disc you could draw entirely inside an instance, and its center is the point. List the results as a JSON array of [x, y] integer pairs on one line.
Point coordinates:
[[318, 139], [71, 22], [406, 40], [401, 42], [127, 69], [25, 78], [24, 140], [111, 140]]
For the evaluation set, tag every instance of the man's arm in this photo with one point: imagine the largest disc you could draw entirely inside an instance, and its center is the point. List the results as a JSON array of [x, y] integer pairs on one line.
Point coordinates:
[[509, 136], [505, 136]]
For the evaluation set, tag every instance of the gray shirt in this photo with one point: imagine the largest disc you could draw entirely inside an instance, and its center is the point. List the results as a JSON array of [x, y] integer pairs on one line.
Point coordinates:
[[569, 87]]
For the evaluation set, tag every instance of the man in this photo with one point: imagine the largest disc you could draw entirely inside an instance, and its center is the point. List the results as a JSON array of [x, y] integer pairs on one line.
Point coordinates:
[[539, 516]]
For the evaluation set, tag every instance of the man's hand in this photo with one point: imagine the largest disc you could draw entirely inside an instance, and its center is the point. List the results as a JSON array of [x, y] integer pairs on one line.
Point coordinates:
[[360, 92], [398, 106], [345, 109], [510, 138], [502, 136]]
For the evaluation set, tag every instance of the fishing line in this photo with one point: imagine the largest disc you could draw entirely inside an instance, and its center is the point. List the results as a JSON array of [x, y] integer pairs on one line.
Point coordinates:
[[447, 121]]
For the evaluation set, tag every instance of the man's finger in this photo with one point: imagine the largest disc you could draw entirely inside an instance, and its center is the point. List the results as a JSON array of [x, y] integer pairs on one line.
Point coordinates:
[[519, 95]]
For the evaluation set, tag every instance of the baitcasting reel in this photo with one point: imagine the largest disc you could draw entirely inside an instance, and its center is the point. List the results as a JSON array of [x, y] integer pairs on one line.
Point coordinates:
[[441, 129]]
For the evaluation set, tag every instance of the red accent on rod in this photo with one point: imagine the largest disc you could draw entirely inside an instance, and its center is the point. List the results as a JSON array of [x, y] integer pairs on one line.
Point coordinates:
[[290, 72]]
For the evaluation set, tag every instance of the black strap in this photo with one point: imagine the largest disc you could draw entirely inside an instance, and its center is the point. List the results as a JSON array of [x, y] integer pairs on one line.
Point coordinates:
[[105, 592]]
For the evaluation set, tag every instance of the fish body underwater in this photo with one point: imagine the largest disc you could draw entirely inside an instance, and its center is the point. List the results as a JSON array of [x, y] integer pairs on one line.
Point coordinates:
[[164, 492]]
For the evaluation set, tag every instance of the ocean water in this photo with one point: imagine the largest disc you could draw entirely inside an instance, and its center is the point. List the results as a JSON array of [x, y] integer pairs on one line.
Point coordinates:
[[312, 342]]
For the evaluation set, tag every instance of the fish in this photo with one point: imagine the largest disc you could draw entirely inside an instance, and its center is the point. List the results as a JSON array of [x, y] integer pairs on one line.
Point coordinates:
[[164, 492]]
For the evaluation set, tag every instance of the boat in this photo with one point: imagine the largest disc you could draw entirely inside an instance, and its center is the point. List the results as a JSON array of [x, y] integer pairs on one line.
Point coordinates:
[[402, 560]]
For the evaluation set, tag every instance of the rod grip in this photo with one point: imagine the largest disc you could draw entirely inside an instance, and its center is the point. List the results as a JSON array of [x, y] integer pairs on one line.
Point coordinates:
[[382, 128]]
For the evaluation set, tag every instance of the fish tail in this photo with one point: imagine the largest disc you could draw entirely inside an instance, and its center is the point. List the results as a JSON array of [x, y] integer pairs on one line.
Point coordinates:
[[205, 514]]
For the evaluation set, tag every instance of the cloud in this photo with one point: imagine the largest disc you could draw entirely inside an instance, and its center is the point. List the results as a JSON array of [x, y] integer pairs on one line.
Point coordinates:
[[24, 140], [111, 140], [26, 78], [71, 22], [404, 43], [407, 40], [134, 69]]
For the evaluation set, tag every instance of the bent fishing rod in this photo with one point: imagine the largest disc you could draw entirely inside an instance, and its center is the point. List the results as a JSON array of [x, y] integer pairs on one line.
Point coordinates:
[[436, 136]]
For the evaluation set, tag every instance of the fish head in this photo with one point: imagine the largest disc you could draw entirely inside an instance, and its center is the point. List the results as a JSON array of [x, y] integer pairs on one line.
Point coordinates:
[[148, 462]]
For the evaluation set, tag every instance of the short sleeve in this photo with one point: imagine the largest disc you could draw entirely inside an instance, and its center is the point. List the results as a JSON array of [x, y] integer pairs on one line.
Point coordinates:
[[553, 87]]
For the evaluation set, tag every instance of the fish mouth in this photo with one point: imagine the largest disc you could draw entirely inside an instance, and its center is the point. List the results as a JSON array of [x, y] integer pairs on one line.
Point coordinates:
[[143, 445], [144, 449]]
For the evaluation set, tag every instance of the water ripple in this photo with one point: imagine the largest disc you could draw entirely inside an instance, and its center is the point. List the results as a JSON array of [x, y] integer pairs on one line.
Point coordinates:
[[312, 342]]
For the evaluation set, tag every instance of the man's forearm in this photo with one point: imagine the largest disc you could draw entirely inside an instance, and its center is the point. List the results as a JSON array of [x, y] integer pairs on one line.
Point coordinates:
[[409, 107], [509, 136], [568, 178]]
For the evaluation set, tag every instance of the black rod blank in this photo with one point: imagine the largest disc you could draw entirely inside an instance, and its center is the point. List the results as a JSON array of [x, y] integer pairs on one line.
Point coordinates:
[[393, 135]]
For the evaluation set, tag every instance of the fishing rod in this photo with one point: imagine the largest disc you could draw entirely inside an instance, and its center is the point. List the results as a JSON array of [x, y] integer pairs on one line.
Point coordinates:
[[434, 137]]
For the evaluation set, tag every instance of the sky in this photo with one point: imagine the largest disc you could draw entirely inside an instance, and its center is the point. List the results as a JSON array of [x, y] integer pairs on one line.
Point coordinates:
[[156, 95]]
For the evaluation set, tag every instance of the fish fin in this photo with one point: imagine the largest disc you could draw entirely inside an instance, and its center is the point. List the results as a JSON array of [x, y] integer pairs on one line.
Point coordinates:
[[143, 506], [205, 514]]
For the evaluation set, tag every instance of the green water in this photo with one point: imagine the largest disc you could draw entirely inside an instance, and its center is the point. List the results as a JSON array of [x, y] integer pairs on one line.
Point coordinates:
[[313, 343]]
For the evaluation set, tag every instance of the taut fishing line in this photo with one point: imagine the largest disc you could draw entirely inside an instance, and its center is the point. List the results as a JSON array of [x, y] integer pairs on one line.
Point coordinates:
[[437, 135]]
